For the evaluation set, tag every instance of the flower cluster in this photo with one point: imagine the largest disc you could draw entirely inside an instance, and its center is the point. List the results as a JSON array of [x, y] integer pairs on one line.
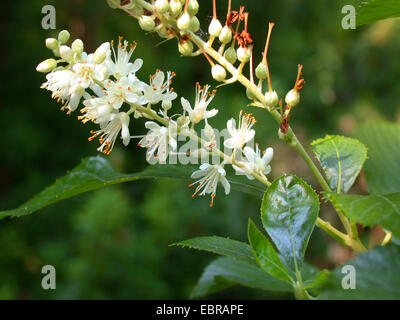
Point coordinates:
[[112, 94]]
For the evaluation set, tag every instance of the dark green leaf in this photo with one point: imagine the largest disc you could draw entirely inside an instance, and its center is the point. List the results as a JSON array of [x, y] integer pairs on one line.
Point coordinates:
[[377, 276], [265, 254], [341, 158], [382, 169], [223, 246], [96, 172], [374, 10], [289, 211], [370, 210], [224, 272]]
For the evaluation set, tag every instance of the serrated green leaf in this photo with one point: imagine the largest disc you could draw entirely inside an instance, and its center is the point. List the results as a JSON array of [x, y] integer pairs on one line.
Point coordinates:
[[226, 247], [265, 254], [341, 158], [96, 172], [370, 210], [224, 272], [377, 276], [289, 212], [374, 10], [382, 169]]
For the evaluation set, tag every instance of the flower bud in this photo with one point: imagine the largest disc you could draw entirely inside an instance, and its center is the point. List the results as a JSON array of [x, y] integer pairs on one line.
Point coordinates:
[[77, 46], [262, 71], [225, 35], [194, 24], [215, 28], [63, 36], [162, 32], [182, 121], [230, 55], [185, 47], [271, 98], [101, 53], [111, 4], [193, 7], [292, 98], [166, 104], [183, 22], [147, 23], [66, 52], [46, 65], [175, 8], [51, 43], [243, 54], [162, 6], [218, 72]]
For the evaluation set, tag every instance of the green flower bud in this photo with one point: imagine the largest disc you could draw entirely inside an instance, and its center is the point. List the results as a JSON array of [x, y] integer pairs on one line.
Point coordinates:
[[185, 48], [162, 32], [193, 7], [101, 53], [166, 104], [271, 98], [175, 8], [243, 54], [183, 22], [215, 28], [194, 24], [46, 65], [111, 4], [52, 43], [182, 121], [147, 23], [292, 98], [77, 46], [162, 6], [66, 52], [218, 72], [63, 36], [226, 35], [261, 71], [230, 55]]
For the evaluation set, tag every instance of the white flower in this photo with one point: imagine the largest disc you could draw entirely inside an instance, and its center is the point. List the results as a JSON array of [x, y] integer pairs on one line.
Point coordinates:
[[159, 141], [61, 84], [199, 111], [241, 135], [126, 89], [255, 163], [159, 90], [86, 71], [97, 110], [210, 176], [121, 66], [109, 131]]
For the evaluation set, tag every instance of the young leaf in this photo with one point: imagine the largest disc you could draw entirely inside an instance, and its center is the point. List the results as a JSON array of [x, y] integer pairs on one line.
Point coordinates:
[[317, 279], [96, 172], [383, 166], [265, 254], [224, 272], [226, 247], [341, 158], [370, 210], [375, 10], [376, 274], [289, 211]]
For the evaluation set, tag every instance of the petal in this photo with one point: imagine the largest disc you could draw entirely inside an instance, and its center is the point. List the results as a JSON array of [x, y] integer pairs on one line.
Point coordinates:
[[211, 113], [231, 126], [229, 143], [226, 185], [151, 125], [269, 153], [250, 154], [249, 135]]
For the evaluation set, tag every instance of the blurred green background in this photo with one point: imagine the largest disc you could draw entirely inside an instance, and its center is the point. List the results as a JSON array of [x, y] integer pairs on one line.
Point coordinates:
[[113, 243]]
